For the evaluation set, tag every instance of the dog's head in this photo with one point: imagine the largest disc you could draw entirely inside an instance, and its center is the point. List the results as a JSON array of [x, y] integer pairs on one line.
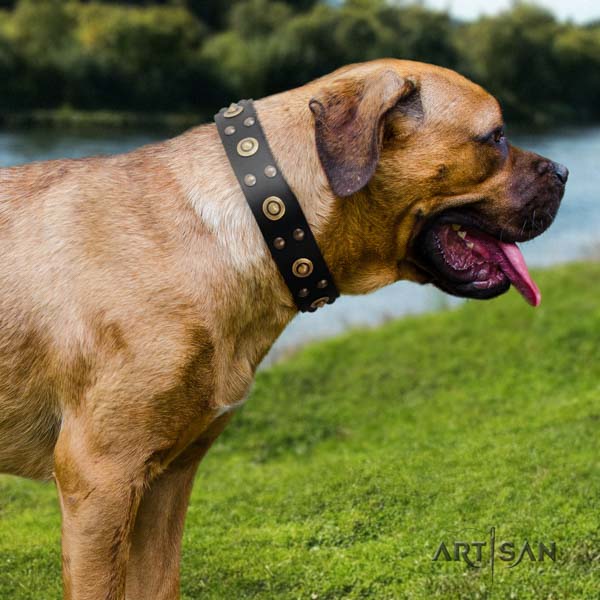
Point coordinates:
[[427, 186]]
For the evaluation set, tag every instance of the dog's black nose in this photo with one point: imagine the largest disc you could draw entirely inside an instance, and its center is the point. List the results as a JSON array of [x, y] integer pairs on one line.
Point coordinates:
[[561, 172], [545, 166]]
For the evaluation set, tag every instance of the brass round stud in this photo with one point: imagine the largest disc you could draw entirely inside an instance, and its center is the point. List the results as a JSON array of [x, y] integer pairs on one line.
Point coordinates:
[[247, 147], [320, 302], [302, 267], [249, 179], [298, 234], [303, 293], [279, 243], [249, 121], [273, 208], [229, 130], [233, 111], [270, 171], [322, 284]]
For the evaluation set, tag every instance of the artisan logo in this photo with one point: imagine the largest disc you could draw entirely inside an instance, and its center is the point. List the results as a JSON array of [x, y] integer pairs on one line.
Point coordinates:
[[479, 554]]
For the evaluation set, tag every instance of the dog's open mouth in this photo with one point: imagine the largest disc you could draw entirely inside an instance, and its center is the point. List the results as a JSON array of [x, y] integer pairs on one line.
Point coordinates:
[[463, 260]]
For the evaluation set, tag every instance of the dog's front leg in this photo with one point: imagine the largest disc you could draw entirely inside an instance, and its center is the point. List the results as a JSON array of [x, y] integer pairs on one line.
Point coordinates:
[[153, 567], [99, 495]]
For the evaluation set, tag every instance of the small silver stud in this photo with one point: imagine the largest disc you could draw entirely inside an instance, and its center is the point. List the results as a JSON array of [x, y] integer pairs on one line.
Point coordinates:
[[279, 243], [322, 284], [298, 234], [249, 179], [229, 130], [247, 147], [249, 121], [233, 110], [320, 302], [303, 293], [270, 171]]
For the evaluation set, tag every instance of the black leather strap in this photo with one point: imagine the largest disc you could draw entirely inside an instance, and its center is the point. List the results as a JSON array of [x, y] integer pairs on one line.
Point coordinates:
[[275, 208]]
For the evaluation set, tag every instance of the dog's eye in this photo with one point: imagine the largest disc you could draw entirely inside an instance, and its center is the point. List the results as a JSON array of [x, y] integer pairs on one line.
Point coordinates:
[[495, 138], [498, 136]]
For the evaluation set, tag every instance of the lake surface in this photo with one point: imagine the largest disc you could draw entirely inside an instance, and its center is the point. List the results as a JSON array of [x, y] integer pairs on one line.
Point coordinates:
[[575, 233]]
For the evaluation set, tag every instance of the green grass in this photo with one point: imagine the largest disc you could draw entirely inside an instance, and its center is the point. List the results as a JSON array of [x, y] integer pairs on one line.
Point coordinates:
[[353, 460]]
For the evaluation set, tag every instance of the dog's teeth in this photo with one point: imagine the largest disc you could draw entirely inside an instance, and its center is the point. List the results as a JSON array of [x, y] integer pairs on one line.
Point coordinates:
[[461, 234], [470, 245], [456, 227]]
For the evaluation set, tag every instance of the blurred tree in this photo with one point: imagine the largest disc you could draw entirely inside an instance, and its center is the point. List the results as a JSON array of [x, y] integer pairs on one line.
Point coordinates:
[[13, 84], [258, 18], [240, 63], [244, 51], [304, 48], [198, 54], [43, 29], [42, 32], [421, 34], [578, 57], [301, 5], [360, 33], [128, 2], [215, 13], [513, 55], [314, 43], [138, 58]]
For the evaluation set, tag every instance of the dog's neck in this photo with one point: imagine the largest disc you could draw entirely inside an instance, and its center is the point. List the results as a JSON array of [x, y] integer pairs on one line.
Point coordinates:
[[357, 260], [252, 300], [290, 131]]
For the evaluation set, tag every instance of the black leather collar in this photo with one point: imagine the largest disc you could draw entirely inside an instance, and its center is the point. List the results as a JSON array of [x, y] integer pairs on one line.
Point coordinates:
[[275, 208]]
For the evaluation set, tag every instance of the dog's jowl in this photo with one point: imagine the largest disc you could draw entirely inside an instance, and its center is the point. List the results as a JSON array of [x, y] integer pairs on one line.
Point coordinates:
[[139, 292]]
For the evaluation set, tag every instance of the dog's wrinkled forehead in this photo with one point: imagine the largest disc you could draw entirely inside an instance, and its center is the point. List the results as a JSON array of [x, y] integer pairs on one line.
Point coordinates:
[[447, 97]]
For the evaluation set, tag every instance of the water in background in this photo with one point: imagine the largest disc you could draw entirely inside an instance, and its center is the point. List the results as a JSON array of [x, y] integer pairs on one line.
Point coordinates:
[[575, 233]]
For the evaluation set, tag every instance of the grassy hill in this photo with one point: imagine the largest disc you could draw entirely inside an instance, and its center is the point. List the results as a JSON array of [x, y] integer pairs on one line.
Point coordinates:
[[352, 461]]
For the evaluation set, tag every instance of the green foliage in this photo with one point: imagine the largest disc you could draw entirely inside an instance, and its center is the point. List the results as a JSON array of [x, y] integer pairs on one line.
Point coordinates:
[[354, 459], [578, 68], [11, 66], [43, 31], [195, 55], [314, 43], [421, 34], [540, 69], [305, 48], [140, 58], [514, 56], [258, 18]]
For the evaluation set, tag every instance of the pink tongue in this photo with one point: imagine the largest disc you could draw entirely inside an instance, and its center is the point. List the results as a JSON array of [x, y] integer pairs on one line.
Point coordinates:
[[516, 270], [509, 259]]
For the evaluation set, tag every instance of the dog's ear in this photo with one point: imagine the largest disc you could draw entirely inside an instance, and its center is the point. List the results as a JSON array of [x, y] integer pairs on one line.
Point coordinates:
[[349, 118]]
